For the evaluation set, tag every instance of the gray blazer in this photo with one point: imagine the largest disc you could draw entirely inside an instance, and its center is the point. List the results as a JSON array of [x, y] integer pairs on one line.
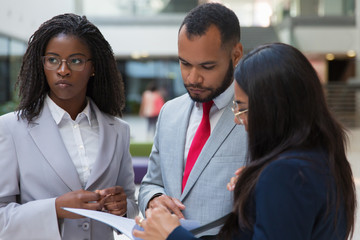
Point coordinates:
[[35, 168], [205, 195]]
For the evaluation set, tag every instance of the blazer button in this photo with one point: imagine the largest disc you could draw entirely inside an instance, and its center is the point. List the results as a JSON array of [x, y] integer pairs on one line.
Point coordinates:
[[85, 226]]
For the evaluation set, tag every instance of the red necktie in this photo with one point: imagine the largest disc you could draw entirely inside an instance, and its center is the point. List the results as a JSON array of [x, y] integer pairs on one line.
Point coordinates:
[[200, 138]]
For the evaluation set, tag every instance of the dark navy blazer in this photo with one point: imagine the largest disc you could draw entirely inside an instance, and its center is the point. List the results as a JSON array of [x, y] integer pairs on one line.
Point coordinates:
[[290, 201]]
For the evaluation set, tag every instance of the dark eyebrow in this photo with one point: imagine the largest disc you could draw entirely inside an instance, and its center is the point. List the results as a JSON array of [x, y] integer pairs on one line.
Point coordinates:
[[52, 53], [203, 63], [183, 60], [208, 63], [74, 54]]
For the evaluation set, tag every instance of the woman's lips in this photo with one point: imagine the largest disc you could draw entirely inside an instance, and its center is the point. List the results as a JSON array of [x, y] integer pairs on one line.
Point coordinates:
[[63, 83]]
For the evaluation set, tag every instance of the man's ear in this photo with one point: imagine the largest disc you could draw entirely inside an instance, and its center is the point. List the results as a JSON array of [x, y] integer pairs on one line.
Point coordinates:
[[236, 53]]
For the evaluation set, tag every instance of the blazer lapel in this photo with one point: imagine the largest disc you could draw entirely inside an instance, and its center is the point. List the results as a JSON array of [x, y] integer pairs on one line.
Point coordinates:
[[223, 128], [177, 165], [46, 136], [107, 143]]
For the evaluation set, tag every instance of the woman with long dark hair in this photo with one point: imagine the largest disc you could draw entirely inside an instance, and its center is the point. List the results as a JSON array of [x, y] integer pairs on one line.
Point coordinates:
[[297, 183]]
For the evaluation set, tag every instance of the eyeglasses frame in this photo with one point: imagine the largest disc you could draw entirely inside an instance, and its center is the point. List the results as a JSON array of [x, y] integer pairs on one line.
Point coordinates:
[[238, 113], [60, 63]]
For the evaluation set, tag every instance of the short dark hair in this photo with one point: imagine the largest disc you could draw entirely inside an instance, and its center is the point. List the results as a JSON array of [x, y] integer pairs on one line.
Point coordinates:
[[200, 18], [106, 88]]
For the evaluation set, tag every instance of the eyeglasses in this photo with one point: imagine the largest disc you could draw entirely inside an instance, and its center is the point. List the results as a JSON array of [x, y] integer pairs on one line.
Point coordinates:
[[75, 63], [237, 113]]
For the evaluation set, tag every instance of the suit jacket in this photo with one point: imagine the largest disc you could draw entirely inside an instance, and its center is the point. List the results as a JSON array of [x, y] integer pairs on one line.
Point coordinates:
[[205, 195], [36, 168], [293, 199]]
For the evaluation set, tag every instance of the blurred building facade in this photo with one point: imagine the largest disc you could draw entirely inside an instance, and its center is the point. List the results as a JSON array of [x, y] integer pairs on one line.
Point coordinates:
[[143, 35]]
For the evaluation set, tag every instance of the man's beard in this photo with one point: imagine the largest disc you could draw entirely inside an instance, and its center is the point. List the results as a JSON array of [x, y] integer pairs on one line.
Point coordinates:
[[228, 78]]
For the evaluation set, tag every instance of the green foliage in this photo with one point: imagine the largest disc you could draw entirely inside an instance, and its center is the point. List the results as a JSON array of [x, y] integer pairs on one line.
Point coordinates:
[[142, 149], [132, 107], [8, 107]]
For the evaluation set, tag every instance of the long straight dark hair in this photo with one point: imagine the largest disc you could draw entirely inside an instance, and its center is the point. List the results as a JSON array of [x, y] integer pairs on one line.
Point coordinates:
[[287, 100]]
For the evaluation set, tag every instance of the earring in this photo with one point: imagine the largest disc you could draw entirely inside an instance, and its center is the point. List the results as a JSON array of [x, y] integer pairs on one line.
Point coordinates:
[[93, 74]]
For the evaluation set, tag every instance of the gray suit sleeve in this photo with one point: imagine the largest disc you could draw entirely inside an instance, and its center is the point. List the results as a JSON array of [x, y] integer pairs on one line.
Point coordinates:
[[33, 220]]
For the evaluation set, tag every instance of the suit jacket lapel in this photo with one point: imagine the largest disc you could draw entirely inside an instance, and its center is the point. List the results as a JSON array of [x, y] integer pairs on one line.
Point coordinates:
[[46, 136], [107, 143], [223, 128], [177, 163]]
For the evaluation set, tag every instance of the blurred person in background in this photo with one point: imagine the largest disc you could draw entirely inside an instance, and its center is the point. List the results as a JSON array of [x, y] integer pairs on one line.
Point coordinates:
[[65, 146], [151, 104]]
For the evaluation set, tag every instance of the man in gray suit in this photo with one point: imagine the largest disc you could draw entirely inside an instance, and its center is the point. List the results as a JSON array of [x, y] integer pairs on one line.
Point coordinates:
[[209, 48]]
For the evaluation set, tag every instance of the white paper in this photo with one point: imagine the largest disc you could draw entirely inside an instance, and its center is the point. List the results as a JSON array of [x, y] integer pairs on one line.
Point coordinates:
[[122, 224]]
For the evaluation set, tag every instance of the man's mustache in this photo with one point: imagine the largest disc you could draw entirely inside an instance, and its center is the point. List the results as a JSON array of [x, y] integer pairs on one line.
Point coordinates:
[[198, 86]]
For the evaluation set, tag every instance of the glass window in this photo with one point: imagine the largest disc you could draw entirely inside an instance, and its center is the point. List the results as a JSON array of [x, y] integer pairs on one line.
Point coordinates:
[[11, 52], [4, 69], [138, 74], [17, 50]]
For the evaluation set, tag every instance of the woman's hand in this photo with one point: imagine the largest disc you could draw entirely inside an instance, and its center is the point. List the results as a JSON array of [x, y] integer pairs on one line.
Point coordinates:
[[158, 224], [114, 200], [231, 185], [77, 199]]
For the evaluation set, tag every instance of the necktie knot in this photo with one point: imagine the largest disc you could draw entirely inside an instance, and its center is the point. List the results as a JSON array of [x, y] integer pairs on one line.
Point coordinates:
[[206, 107]]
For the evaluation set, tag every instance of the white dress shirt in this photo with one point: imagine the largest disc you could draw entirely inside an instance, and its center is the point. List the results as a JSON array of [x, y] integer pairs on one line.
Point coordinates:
[[217, 109], [80, 136]]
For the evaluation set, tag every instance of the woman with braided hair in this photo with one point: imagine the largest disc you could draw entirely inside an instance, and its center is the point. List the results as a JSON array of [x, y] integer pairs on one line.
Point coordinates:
[[65, 146]]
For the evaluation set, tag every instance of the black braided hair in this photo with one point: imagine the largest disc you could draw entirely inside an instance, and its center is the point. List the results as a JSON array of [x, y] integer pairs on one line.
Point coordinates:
[[106, 88]]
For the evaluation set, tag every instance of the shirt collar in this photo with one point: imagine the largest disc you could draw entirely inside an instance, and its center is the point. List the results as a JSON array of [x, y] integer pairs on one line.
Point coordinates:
[[224, 98], [58, 113]]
